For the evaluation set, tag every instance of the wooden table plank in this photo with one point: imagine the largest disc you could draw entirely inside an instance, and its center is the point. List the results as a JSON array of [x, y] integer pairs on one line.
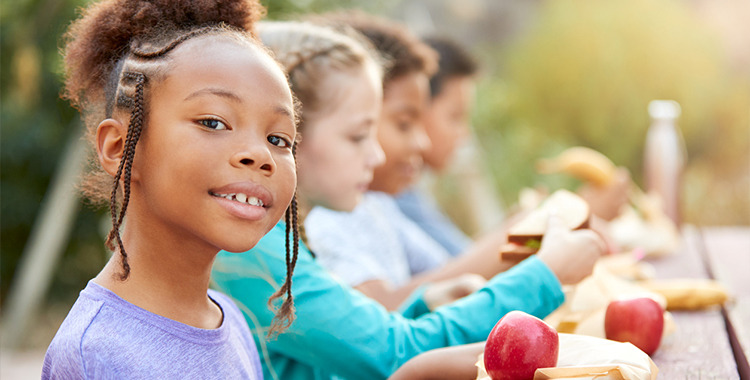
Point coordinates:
[[728, 255], [700, 348]]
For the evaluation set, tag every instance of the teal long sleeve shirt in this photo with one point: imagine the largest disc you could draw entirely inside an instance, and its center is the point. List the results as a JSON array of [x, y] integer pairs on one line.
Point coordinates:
[[339, 333]]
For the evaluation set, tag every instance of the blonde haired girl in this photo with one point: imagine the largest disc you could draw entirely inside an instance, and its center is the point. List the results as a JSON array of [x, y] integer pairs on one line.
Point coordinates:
[[338, 332]]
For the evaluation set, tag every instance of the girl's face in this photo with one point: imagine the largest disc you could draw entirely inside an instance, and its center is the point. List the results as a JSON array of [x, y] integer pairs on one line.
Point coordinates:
[[401, 132], [214, 165], [339, 147], [447, 120]]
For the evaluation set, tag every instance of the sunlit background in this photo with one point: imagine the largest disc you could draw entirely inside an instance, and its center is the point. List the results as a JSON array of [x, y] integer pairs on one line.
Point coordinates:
[[555, 73]]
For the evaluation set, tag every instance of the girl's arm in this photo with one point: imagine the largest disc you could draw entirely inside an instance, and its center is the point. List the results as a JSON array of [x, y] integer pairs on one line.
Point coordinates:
[[451, 363], [340, 331], [570, 255], [435, 294], [481, 258]]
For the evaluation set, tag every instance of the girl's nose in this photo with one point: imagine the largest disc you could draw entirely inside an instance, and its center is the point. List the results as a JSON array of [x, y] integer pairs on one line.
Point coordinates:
[[255, 156], [376, 156], [421, 141]]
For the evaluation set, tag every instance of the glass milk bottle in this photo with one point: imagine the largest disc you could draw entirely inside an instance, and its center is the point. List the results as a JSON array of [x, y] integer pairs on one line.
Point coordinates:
[[665, 156]]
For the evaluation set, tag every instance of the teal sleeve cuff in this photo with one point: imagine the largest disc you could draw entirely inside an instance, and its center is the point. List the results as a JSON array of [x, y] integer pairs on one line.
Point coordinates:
[[414, 306], [549, 279]]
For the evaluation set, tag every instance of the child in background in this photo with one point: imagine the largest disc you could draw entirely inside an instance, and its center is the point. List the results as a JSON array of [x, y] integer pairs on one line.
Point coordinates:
[[339, 332], [376, 248], [391, 255], [447, 124], [193, 125]]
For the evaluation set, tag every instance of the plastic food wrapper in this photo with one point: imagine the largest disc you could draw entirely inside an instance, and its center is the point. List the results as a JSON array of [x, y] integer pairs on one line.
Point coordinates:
[[586, 304], [585, 357]]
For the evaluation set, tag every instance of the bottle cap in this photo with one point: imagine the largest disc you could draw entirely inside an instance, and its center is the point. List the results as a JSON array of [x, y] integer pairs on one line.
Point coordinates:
[[664, 109]]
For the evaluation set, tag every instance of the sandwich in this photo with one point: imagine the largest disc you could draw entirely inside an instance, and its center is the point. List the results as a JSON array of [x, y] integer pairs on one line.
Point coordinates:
[[525, 237]]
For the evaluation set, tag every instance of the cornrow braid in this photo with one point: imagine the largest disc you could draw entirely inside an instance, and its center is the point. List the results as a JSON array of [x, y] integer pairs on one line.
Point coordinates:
[[309, 52], [403, 50], [306, 54], [146, 50], [141, 66], [99, 43], [126, 163]]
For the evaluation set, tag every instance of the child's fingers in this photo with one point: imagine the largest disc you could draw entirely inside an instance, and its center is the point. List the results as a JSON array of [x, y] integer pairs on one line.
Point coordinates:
[[596, 238]]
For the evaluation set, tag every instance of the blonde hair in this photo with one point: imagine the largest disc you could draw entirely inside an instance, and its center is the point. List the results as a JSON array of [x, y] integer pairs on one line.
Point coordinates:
[[308, 52]]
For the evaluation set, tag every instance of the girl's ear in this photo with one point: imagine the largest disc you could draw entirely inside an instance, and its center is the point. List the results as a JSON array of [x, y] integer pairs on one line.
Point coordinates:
[[110, 144]]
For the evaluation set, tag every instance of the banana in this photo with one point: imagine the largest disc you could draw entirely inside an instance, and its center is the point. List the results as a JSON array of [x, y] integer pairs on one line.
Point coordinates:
[[688, 294], [583, 163]]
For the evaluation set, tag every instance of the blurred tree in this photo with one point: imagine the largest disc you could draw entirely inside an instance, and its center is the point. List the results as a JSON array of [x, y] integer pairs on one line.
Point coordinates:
[[584, 75], [36, 124]]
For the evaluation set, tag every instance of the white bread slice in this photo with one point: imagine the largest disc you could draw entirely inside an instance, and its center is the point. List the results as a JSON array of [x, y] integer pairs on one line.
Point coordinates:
[[573, 209]]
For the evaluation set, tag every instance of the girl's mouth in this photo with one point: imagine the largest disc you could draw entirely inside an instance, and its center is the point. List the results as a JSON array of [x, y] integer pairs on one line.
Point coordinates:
[[410, 170], [241, 198], [242, 206], [244, 200]]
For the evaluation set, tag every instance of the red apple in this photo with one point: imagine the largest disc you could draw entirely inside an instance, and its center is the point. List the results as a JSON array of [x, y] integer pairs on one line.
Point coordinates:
[[518, 345], [637, 320]]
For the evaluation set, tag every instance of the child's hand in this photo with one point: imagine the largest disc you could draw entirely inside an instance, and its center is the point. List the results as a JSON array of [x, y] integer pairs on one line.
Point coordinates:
[[571, 255], [606, 201], [447, 291], [601, 227]]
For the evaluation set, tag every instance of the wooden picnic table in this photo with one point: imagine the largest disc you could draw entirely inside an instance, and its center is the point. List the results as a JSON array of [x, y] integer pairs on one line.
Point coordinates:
[[712, 343]]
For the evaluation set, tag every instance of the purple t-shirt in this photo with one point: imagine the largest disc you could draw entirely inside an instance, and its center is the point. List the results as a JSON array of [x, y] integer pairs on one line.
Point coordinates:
[[106, 337]]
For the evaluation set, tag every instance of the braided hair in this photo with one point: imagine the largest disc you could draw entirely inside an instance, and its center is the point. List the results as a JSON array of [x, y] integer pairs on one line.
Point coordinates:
[[403, 50], [114, 53], [145, 59], [307, 53]]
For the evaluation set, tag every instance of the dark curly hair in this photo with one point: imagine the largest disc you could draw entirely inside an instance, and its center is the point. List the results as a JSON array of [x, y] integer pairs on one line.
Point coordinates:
[[402, 50], [113, 53]]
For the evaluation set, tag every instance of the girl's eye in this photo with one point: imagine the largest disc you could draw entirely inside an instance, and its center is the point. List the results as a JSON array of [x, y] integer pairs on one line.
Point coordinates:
[[213, 124], [278, 141]]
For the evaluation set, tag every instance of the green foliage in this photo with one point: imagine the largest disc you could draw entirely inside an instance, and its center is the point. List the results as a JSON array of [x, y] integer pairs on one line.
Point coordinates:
[[584, 75], [286, 9], [36, 124]]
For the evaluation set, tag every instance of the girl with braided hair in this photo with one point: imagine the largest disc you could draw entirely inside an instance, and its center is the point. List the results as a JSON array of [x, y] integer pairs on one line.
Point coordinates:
[[340, 333], [392, 256], [194, 127]]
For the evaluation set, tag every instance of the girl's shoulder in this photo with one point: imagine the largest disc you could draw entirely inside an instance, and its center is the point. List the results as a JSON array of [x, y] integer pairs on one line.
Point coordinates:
[[64, 357], [81, 316]]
